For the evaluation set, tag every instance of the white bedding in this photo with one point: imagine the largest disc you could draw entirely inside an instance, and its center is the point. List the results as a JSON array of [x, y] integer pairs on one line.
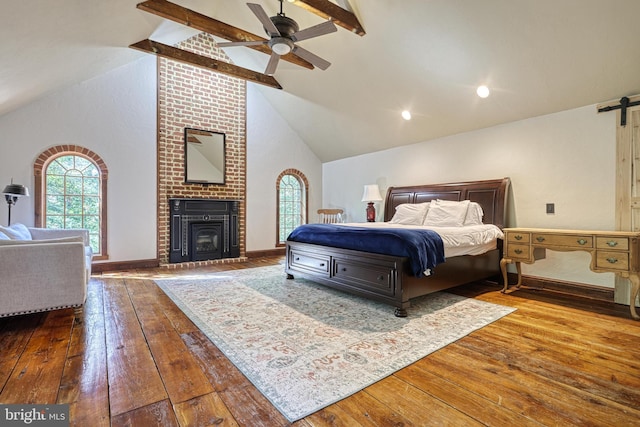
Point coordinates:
[[466, 240]]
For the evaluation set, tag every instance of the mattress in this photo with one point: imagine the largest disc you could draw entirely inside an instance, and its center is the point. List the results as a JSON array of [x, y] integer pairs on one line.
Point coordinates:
[[467, 240]]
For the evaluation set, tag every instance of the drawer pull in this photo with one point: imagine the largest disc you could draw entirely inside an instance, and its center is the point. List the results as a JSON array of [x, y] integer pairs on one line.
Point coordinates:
[[322, 264], [297, 258], [517, 237], [612, 243], [612, 260], [381, 278], [540, 239], [344, 268], [582, 242], [518, 251]]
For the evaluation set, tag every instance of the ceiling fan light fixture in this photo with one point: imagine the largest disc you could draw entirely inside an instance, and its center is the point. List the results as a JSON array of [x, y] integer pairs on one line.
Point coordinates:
[[281, 45]]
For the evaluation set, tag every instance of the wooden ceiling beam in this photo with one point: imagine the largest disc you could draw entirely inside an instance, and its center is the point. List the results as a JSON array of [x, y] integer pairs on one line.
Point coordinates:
[[180, 55], [328, 10], [200, 22]]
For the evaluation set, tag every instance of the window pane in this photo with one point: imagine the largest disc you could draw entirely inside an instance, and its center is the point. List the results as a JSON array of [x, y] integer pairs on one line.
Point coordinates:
[[73, 205], [55, 168], [73, 196], [73, 184], [290, 207], [55, 205], [55, 184], [91, 186], [55, 221], [73, 221], [67, 162]]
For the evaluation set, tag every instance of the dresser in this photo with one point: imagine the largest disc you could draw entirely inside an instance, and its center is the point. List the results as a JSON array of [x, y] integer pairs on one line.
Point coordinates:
[[611, 252]]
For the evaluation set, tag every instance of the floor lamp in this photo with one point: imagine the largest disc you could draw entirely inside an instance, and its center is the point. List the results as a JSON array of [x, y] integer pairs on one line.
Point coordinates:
[[11, 193]]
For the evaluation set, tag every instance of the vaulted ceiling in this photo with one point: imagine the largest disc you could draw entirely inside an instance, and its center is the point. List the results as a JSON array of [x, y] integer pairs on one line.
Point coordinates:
[[427, 56]]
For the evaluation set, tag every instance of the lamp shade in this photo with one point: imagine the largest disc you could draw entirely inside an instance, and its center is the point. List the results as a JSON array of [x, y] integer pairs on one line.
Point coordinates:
[[371, 193], [15, 190]]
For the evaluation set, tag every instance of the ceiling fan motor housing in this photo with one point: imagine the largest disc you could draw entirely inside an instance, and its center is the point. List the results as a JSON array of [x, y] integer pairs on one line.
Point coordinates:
[[282, 44], [285, 25]]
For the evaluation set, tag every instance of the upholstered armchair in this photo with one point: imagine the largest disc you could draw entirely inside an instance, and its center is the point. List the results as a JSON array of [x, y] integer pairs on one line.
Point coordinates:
[[43, 269]]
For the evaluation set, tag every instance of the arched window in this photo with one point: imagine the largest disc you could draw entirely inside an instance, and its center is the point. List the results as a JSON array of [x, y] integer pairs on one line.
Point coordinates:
[[70, 190], [292, 188]]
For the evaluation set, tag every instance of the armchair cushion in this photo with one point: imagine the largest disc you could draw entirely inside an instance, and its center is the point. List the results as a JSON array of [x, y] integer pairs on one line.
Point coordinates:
[[16, 232]]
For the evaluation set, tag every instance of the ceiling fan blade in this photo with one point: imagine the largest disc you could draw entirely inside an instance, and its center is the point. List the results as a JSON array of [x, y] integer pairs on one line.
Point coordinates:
[[263, 18], [273, 63], [315, 31], [312, 58], [249, 43]]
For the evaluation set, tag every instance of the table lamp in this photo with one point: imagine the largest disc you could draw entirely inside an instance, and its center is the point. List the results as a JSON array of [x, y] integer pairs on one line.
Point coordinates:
[[371, 194]]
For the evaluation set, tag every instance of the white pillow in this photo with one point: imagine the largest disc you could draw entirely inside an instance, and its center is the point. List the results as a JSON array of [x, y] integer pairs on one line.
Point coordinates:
[[474, 214], [410, 213], [16, 232], [446, 213], [3, 236]]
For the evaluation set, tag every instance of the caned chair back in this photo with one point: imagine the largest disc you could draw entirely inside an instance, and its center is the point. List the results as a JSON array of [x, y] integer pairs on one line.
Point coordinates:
[[330, 216]]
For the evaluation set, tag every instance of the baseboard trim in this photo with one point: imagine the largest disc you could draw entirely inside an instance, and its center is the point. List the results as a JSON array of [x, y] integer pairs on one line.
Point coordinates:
[[101, 267], [600, 293], [266, 253]]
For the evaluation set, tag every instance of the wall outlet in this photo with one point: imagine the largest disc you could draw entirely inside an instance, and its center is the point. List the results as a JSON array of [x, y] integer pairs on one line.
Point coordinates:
[[551, 208]]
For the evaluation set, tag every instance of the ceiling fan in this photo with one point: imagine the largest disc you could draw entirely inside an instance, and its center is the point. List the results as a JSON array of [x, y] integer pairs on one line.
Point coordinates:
[[284, 33]]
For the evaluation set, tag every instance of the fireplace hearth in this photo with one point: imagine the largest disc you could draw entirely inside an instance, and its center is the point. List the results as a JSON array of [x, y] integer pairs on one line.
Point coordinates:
[[203, 229]]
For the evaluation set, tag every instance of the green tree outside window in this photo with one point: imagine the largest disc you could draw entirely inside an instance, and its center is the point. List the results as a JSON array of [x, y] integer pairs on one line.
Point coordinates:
[[73, 196]]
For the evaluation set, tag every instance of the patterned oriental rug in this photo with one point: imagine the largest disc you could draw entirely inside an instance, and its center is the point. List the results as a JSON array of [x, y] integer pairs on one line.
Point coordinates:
[[306, 346]]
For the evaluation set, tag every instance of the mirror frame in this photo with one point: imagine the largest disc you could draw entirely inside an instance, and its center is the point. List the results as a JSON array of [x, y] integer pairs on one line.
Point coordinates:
[[218, 150]]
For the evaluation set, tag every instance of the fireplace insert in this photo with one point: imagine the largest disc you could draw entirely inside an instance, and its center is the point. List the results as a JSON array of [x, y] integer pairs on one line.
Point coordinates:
[[203, 229]]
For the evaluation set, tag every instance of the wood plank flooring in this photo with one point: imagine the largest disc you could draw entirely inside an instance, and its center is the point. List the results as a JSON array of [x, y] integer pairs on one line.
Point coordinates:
[[134, 359]]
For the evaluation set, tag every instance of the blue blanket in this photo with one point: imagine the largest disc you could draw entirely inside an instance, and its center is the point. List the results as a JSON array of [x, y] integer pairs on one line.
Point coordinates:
[[424, 248]]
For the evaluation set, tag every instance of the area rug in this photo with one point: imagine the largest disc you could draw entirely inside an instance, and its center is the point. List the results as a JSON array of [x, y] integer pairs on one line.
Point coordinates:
[[306, 346]]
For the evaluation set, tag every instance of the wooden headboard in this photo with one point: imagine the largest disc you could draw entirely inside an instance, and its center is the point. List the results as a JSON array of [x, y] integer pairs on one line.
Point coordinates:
[[490, 194]]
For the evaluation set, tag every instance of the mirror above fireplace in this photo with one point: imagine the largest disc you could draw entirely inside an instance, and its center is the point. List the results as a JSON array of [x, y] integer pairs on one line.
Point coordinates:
[[204, 156]]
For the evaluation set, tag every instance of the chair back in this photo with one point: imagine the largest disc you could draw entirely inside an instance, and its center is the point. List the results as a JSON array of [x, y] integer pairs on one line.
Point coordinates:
[[330, 216]]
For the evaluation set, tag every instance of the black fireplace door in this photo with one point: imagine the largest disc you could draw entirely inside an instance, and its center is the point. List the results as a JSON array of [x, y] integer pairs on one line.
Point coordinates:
[[206, 241]]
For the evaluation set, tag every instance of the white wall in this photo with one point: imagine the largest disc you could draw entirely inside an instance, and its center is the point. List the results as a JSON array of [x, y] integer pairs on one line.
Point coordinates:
[[566, 158], [272, 147], [113, 115]]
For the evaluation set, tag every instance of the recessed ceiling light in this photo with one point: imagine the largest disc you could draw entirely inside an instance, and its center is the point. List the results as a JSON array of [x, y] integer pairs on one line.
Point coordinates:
[[482, 91], [406, 114]]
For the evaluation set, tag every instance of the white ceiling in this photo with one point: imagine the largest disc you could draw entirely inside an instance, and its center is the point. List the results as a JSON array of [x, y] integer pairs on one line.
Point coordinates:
[[537, 56]]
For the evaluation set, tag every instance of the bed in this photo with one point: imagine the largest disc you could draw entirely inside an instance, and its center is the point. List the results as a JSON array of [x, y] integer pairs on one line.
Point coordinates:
[[392, 279]]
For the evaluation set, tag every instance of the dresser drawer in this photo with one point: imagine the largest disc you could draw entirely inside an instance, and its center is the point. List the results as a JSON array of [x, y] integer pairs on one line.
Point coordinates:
[[310, 262], [612, 243], [565, 240], [518, 237], [376, 277], [612, 260], [516, 251]]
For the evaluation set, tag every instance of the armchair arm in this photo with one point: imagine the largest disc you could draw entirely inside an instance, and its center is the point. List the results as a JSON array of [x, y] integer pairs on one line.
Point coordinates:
[[55, 233]]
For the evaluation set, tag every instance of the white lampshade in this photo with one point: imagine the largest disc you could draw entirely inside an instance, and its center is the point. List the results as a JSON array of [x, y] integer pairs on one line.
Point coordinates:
[[371, 193]]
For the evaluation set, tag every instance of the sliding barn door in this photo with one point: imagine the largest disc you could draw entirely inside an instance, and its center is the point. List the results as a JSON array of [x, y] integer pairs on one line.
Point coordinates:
[[627, 184]]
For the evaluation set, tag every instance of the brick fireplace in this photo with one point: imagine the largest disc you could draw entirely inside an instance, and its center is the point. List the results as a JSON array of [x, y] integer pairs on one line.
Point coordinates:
[[200, 99]]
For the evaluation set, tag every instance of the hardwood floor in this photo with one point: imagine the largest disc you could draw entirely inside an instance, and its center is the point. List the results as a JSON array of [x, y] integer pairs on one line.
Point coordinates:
[[134, 359]]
